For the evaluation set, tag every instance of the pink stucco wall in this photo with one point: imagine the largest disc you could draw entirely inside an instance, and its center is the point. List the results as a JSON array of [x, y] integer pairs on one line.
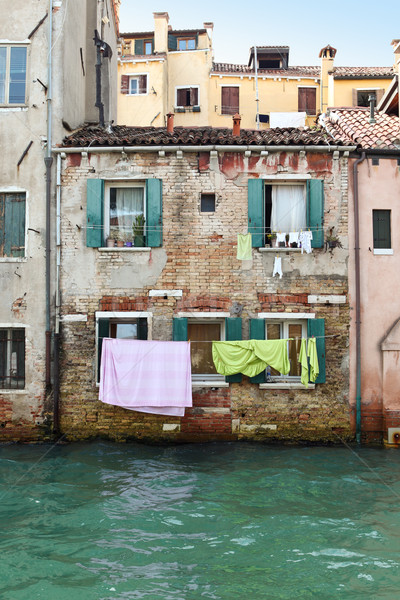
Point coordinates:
[[379, 188]]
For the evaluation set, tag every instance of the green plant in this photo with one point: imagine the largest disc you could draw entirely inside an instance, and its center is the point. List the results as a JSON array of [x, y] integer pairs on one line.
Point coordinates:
[[138, 225]]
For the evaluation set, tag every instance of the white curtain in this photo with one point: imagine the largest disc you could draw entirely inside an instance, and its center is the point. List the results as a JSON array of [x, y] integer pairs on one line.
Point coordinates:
[[128, 204], [288, 208]]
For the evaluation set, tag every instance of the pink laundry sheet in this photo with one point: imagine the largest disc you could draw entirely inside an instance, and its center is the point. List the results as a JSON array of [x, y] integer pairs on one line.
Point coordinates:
[[146, 376]]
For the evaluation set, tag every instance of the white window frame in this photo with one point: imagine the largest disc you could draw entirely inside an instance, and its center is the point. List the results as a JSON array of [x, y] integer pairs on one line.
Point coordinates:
[[135, 76], [118, 183], [120, 317], [302, 182], [10, 45], [186, 87]]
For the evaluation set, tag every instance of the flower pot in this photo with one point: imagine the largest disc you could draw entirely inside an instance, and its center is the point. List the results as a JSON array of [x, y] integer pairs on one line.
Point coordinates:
[[282, 244], [120, 243], [293, 245], [110, 242], [139, 241], [128, 244]]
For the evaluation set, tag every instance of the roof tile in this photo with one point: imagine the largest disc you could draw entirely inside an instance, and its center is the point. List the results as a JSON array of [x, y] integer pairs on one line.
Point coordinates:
[[352, 124]]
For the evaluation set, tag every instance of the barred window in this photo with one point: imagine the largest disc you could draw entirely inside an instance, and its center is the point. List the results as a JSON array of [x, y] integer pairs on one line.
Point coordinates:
[[12, 358]]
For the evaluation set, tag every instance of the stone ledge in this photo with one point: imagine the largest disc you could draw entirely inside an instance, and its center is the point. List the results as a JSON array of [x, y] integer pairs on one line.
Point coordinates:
[[286, 386]]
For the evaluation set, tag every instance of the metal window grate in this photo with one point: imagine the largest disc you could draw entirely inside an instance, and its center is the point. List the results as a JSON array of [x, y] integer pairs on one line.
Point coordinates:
[[12, 359]]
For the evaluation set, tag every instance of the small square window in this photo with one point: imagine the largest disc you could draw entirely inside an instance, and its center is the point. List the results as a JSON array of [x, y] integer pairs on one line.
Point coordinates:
[[207, 203], [375, 161], [138, 85]]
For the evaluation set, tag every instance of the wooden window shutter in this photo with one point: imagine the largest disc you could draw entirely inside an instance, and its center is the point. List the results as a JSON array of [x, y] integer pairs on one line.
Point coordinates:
[[316, 328], [257, 332], [94, 213], [194, 96], [354, 99], [139, 47], [179, 329], [233, 332], [2, 223], [181, 97], [142, 328], [14, 225], [229, 100], [142, 84], [379, 96], [154, 212], [311, 101], [124, 84], [255, 202], [103, 331], [315, 211], [172, 42], [302, 100]]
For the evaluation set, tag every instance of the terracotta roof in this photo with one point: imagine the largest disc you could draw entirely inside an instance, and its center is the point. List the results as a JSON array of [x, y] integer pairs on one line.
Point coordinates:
[[352, 125], [362, 72], [140, 34], [122, 135], [289, 72]]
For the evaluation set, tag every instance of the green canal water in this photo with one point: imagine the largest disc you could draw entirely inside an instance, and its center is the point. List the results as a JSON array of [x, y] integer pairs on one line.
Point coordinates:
[[219, 521]]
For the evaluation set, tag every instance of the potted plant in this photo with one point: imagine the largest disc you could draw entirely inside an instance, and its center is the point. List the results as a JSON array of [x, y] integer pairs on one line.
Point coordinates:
[[332, 241], [120, 239], [138, 230], [271, 238], [110, 242]]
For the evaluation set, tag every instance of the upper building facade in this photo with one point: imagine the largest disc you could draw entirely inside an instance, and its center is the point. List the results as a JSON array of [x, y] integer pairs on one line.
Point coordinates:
[[173, 71]]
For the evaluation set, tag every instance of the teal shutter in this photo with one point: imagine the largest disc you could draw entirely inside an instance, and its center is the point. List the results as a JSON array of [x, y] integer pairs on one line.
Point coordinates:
[[154, 212], [142, 328], [233, 332], [316, 328], [257, 332], [94, 213], [315, 211], [139, 47], [103, 330], [172, 42], [180, 329], [256, 211], [14, 225]]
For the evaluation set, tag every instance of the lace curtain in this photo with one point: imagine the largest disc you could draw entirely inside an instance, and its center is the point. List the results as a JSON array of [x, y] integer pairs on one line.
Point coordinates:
[[288, 208]]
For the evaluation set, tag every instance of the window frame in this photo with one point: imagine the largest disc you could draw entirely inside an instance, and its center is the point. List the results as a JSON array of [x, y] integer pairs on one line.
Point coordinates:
[[284, 334], [9, 46], [117, 183], [187, 87], [381, 249], [307, 110], [136, 77], [207, 196], [116, 317], [186, 40], [9, 329], [212, 377], [3, 225], [233, 111], [271, 184]]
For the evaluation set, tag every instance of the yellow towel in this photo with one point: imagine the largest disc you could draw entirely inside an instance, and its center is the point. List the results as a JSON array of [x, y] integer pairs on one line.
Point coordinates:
[[304, 363], [244, 246], [313, 356]]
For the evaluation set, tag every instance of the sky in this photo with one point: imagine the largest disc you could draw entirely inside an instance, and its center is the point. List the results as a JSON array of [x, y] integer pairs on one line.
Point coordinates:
[[361, 31]]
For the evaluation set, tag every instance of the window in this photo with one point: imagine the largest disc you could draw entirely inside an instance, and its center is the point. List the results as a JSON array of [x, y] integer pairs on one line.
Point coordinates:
[[285, 207], [381, 229], [272, 326], [143, 47], [119, 325], [13, 74], [12, 224], [187, 97], [207, 203], [201, 330], [138, 85], [269, 64], [112, 207], [186, 44], [12, 358], [229, 100], [307, 100], [148, 47]]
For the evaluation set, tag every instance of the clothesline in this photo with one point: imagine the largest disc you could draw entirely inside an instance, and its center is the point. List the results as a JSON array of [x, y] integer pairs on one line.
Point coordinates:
[[102, 337]]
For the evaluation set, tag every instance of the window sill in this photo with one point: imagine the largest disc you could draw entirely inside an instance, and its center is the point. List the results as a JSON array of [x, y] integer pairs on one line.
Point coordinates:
[[16, 392], [278, 249], [286, 386], [210, 384], [13, 259], [13, 107], [383, 251], [125, 249]]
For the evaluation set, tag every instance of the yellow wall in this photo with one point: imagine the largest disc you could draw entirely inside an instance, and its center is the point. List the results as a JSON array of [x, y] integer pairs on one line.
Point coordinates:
[[342, 93], [140, 110]]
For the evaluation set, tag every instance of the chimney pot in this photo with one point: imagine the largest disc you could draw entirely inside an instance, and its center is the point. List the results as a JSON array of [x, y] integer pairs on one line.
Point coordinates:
[[236, 125], [170, 123]]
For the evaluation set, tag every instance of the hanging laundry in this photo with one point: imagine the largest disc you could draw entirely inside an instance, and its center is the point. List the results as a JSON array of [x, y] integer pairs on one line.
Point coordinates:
[[303, 360], [146, 376], [244, 246], [305, 238], [293, 237], [250, 357], [280, 237], [313, 356], [277, 267]]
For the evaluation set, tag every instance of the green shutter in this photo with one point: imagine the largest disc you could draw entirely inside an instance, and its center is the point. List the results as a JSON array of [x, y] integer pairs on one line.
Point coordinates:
[[14, 225], [315, 211], [257, 332], [154, 212], [172, 42], [94, 213], [316, 328], [139, 47], [256, 211], [179, 329], [103, 330], [142, 328], [233, 332]]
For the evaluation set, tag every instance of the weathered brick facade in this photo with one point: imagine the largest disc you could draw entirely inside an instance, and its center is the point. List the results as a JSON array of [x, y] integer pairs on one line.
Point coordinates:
[[198, 258]]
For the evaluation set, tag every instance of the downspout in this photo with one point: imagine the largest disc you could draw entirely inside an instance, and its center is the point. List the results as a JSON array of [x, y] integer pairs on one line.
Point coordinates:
[[99, 104], [358, 296], [256, 78], [56, 392], [48, 160]]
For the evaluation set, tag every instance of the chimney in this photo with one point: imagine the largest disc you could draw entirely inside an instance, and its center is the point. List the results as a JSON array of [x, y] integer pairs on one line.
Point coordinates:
[[371, 100], [327, 56], [236, 125], [161, 20], [209, 28], [170, 123]]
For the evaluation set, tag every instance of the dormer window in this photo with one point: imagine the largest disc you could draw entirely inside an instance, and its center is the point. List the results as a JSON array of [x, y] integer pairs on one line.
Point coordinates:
[[186, 44], [269, 64]]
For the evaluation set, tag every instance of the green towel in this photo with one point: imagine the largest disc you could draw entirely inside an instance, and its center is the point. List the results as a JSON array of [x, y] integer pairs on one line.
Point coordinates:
[[304, 362], [244, 246], [250, 357], [313, 356]]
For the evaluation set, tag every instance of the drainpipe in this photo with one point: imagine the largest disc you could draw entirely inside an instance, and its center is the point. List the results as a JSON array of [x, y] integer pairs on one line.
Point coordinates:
[[257, 98], [358, 297], [100, 47], [48, 160], [56, 386]]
